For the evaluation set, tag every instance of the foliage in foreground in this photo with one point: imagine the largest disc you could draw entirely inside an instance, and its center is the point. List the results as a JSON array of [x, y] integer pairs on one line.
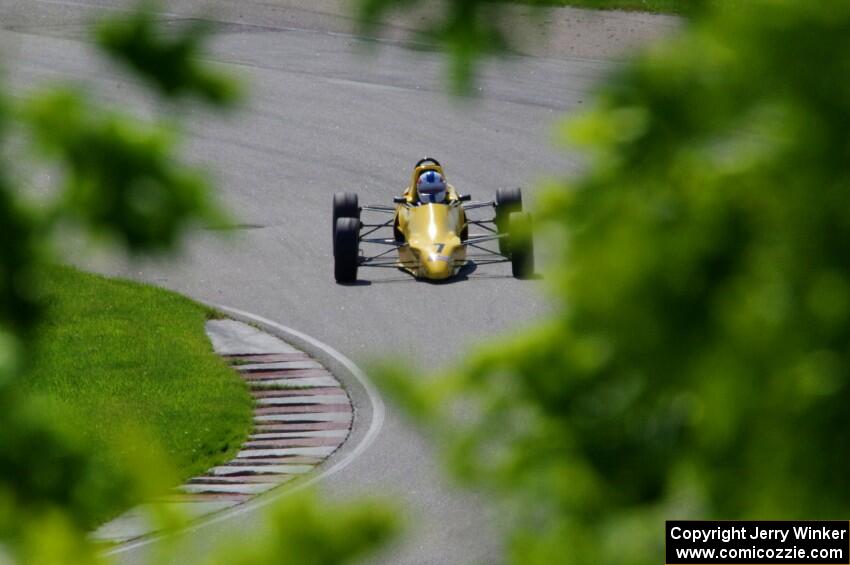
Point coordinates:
[[470, 31], [119, 179], [698, 365], [298, 531]]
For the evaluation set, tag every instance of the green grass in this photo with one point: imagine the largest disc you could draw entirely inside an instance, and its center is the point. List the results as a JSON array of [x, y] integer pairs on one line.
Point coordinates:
[[116, 355]]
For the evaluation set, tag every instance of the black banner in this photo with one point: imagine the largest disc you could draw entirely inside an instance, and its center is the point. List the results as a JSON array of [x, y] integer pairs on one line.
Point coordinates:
[[771, 542]]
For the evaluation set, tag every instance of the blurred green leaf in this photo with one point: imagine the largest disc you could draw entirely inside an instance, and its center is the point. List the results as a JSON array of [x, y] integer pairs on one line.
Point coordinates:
[[122, 176], [298, 531], [698, 365], [467, 30], [19, 259], [170, 60]]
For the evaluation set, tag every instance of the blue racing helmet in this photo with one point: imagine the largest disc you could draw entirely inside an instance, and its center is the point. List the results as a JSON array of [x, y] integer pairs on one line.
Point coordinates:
[[431, 187]]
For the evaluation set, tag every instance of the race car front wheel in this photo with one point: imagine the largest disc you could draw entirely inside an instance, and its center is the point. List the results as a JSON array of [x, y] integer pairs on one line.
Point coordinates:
[[520, 243], [346, 249]]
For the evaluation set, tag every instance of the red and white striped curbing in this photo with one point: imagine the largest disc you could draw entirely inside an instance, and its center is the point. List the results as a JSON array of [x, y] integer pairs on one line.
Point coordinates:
[[302, 414]]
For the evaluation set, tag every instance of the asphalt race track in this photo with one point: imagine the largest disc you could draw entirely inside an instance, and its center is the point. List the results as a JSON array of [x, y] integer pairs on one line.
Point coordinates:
[[322, 117]]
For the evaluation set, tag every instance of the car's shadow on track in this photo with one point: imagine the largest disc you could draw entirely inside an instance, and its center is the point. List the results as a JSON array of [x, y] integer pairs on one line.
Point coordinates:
[[467, 272], [358, 282], [462, 275]]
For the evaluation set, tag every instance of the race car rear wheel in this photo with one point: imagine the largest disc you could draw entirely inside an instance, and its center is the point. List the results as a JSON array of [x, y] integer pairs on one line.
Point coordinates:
[[520, 243], [346, 249], [346, 205], [508, 201]]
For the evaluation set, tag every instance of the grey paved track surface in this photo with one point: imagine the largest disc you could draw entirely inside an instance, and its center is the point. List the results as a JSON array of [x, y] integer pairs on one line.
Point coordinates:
[[321, 118]]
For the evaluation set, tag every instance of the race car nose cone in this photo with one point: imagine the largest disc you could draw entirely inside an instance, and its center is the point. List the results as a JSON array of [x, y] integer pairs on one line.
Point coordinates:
[[436, 267]]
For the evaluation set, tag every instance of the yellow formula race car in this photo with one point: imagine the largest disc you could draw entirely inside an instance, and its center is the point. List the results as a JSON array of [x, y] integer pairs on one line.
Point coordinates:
[[430, 230]]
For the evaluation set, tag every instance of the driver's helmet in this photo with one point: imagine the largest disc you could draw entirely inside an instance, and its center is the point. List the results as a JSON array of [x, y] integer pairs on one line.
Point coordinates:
[[431, 187]]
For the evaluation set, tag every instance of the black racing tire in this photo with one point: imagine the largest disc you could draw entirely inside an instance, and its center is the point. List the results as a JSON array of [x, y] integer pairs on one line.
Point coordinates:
[[346, 249], [520, 242], [346, 205], [508, 201]]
